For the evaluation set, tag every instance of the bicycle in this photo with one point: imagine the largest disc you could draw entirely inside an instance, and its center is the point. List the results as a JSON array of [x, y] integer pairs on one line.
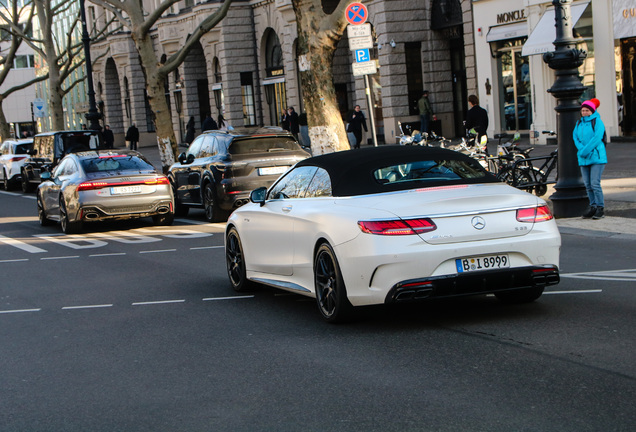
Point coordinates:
[[524, 175]]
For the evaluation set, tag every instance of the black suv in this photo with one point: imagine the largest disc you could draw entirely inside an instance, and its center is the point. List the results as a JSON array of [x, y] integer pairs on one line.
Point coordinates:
[[50, 147], [220, 169]]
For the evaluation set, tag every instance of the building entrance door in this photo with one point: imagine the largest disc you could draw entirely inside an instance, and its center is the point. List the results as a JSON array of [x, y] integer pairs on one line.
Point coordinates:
[[628, 56], [516, 92], [276, 96]]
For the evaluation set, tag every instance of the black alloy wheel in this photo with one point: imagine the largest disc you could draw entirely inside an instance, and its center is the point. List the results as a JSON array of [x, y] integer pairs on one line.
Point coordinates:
[[331, 294], [68, 227], [212, 210], [44, 221], [26, 185], [179, 209], [235, 262]]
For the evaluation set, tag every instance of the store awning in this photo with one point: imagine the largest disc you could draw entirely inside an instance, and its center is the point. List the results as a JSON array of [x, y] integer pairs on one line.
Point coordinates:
[[541, 38], [507, 31]]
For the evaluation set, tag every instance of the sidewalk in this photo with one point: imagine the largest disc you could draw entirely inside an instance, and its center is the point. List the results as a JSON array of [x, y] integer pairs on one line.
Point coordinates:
[[619, 188]]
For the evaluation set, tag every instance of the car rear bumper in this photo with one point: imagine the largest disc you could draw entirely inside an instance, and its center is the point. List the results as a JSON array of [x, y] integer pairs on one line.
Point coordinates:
[[90, 213], [482, 282]]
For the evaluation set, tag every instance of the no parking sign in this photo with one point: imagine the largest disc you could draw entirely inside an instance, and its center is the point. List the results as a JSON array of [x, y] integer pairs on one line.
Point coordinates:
[[356, 13]]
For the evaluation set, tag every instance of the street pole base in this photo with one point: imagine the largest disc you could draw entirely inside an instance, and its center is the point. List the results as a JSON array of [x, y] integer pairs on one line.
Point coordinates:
[[569, 203]]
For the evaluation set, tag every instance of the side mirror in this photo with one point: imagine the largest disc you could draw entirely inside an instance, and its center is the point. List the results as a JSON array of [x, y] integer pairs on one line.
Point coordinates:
[[32, 152], [258, 196], [182, 158], [46, 175], [190, 158]]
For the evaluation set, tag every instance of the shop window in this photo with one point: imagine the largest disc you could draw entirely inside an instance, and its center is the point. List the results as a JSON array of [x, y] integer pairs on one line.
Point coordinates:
[[515, 89], [414, 83], [247, 93]]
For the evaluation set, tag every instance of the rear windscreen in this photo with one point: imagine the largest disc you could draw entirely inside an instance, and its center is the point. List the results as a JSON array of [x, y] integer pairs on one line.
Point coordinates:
[[23, 148], [117, 163], [429, 171], [77, 142], [262, 145]]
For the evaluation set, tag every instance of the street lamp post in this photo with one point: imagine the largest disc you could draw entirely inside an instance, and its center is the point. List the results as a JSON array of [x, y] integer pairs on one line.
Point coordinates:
[[570, 198], [92, 116]]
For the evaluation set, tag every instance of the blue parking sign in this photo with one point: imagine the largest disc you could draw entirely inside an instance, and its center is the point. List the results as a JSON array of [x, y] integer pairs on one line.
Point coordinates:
[[362, 55]]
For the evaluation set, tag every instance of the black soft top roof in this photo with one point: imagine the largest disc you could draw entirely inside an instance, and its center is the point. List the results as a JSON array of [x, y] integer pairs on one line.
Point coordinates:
[[352, 171]]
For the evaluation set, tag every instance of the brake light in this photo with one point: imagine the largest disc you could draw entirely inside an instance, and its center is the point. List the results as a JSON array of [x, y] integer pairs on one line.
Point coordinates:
[[534, 214], [17, 158], [397, 226], [157, 181], [111, 156], [90, 185]]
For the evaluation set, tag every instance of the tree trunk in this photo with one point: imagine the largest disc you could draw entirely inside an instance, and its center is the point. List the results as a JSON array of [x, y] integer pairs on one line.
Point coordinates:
[[166, 141], [318, 44], [5, 130]]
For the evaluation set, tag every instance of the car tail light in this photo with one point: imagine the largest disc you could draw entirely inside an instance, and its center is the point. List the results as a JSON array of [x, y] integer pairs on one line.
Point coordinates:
[[90, 185], [17, 158], [534, 214], [397, 226]]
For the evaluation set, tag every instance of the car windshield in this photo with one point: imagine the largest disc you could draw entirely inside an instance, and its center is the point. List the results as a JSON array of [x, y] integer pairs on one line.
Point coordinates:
[[428, 170], [262, 145], [116, 163], [80, 141], [23, 148]]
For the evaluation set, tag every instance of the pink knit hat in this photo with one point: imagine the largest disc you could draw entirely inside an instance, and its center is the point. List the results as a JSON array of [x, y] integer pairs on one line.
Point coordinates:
[[591, 104]]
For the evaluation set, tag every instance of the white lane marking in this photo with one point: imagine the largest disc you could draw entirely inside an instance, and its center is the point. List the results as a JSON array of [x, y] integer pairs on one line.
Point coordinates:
[[28, 197], [87, 307], [58, 258], [158, 251], [14, 260], [157, 302], [20, 245], [624, 275], [227, 298], [19, 311], [107, 254], [206, 247], [573, 292]]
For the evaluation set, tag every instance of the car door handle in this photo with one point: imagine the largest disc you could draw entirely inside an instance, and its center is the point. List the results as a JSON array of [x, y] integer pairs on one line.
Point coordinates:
[[287, 208]]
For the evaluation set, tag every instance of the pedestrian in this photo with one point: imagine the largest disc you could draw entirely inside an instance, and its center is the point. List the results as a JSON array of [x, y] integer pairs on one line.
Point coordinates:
[[284, 120], [588, 135], [109, 138], [132, 135], [190, 131], [209, 124], [356, 123], [477, 118], [223, 124], [294, 126], [426, 112]]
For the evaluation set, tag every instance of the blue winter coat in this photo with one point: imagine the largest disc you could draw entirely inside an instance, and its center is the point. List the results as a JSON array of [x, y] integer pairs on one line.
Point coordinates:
[[589, 140]]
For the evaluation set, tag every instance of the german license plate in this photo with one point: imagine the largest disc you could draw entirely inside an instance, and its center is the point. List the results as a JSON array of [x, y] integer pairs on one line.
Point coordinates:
[[272, 170], [488, 262], [125, 190]]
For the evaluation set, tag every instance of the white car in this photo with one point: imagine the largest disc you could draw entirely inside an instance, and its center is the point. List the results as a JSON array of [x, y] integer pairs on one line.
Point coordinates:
[[13, 155], [392, 224]]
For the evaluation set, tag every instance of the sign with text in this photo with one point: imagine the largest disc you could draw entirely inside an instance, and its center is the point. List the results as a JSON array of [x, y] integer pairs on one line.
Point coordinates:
[[364, 68], [360, 43], [354, 31]]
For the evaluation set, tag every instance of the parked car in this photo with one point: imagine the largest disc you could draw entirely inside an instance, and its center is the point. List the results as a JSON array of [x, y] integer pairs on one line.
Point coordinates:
[[392, 224], [50, 147], [103, 185], [13, 155], [220, 169]]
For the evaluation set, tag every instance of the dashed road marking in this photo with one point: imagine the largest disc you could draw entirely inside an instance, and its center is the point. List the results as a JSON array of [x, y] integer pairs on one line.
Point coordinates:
[[19, 311], [157, 302], [59, 258], [158, 251], [227, 298], [625, 275], [87, 307]]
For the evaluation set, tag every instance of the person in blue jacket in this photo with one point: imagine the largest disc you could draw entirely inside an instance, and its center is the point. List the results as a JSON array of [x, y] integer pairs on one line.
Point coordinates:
[[588, 137]]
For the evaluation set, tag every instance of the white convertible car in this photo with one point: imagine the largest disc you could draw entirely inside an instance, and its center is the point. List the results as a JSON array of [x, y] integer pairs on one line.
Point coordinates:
[[392, 224]]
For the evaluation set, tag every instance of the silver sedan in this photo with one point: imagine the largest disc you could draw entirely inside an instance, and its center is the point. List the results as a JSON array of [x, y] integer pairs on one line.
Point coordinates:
[[103, 185]]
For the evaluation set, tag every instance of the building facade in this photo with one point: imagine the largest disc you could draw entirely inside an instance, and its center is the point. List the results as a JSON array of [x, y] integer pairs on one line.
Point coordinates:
[[510, 39], [246, 68]]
